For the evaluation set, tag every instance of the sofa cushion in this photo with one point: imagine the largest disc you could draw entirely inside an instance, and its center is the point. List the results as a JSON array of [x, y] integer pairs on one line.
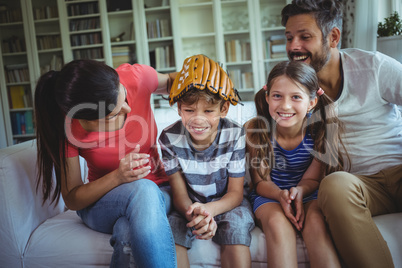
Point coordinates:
[[65, 241], [390, 226], [21, 209]]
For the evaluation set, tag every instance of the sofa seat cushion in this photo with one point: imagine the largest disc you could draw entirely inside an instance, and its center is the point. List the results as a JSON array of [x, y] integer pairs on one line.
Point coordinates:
[[206, 253], [65, 241], [390, 226]]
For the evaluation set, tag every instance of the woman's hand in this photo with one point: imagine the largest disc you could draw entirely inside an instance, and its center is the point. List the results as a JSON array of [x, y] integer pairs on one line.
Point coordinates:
[[133, 166], [292, 205]]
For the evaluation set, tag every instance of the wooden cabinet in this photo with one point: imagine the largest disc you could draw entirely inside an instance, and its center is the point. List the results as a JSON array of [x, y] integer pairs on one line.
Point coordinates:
[[244, 36]]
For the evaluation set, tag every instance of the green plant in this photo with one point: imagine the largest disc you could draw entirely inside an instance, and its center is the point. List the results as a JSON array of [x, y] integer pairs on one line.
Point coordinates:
[[391, 26]]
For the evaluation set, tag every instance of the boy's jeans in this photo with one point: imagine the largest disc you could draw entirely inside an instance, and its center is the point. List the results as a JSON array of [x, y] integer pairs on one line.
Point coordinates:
[[135, 214]]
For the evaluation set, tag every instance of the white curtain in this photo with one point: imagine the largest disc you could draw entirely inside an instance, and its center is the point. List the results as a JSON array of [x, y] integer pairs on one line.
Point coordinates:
[[365, 25]]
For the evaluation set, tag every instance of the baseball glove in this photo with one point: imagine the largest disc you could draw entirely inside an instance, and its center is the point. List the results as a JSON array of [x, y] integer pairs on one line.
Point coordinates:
[[201, 72]]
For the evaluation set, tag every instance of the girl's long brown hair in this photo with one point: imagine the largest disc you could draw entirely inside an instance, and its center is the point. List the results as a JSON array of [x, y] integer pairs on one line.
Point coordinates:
[[324, 126]]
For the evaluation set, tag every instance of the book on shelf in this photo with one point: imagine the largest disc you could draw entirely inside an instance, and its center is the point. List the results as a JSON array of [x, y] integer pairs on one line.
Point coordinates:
[[247, 80], [158, 28], [121, 55], [237, 50], [8, 15], [29, 126], [22, 123], [240, 79], [13, 45], [17, 94], [235, 76], [275, 47], [45, 12], [162, 57], [17, 73], [56, 63]]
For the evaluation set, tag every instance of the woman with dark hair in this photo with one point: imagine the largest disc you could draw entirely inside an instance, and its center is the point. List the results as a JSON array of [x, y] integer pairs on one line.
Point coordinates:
[[89, 109]]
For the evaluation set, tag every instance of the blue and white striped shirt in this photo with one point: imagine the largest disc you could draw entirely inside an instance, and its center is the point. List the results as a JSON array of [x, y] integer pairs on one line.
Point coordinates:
[[291, 165], [206, 172]]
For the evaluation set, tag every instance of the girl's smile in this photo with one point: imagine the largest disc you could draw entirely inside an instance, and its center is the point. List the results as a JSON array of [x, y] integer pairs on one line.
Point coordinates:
[[288, 103]]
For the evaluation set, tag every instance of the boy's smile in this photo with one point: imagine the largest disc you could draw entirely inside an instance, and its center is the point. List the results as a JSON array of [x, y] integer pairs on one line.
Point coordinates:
[[201, 120]]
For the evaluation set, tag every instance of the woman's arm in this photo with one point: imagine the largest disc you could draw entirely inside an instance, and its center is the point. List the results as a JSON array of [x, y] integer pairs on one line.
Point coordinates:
[[165, 82], [78, 195]]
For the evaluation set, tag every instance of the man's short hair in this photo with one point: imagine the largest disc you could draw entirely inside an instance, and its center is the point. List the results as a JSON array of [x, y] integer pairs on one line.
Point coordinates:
[[327, 13]]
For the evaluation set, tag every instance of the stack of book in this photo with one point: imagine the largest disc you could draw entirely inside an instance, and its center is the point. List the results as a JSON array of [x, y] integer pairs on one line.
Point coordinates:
[[158, 28], [241, 79], [17, 73], [162, 57], [275, 47], [120, 55], [237, 50]]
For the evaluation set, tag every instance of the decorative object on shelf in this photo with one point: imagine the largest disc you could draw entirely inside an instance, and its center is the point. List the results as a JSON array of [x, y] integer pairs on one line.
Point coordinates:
[[392, 26], [118, 38]]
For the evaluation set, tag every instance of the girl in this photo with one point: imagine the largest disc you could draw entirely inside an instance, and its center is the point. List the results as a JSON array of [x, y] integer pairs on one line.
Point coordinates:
[[104, 115], [293, 144]]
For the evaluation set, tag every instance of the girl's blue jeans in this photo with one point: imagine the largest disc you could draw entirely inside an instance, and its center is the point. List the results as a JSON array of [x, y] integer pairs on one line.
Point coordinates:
[[135, 214]]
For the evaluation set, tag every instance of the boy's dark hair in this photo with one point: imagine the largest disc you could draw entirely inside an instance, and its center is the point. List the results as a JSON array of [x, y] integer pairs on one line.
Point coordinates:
[[327, 13], [193, 95]]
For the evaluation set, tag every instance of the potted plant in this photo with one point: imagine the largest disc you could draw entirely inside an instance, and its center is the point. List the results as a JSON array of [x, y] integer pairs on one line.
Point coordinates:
[[392, 26], [389, 35]]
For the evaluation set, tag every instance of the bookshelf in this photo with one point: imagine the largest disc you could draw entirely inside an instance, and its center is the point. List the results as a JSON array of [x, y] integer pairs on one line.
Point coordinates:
[[270, 33], [17, 72], [83, 33], [42, 35]]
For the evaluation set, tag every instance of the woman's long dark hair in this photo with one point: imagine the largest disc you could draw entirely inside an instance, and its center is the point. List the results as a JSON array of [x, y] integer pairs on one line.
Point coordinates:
[[79, 82], [326, 140]]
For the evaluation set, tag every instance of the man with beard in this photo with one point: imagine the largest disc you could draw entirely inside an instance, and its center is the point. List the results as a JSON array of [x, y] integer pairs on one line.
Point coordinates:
[[366, 87]]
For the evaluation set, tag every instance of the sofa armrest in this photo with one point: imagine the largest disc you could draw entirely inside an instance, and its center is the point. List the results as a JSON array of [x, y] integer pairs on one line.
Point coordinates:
[[21, 209]]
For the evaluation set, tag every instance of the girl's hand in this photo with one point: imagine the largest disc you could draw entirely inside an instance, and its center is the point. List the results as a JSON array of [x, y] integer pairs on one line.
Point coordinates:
[[133, 166], [297, 197], [292, 205]]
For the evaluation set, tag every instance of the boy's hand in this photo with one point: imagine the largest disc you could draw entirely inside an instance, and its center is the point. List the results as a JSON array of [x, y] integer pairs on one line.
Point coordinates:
[[201, 220]]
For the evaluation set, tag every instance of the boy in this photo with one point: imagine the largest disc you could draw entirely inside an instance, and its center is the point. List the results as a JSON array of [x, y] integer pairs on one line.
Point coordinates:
[[204, 156]]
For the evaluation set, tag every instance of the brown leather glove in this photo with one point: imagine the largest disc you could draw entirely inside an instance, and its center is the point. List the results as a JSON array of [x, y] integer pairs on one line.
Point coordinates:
[[201, 72]]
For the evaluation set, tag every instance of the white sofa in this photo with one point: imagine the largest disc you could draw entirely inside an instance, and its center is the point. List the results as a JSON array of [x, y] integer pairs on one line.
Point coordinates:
[[35, 235]]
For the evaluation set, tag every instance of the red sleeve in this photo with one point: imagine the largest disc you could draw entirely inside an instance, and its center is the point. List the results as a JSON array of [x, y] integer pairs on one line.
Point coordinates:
[[142, 75]]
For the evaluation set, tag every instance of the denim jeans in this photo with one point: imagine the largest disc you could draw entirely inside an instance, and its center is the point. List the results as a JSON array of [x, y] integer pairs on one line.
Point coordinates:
[[135, 214]]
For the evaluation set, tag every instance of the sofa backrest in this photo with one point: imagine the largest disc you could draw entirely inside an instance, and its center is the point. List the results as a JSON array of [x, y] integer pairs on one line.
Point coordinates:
[[21, 209]]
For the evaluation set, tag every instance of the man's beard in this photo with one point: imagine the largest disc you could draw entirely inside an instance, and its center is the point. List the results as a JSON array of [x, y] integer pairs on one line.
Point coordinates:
[[319, 60]]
